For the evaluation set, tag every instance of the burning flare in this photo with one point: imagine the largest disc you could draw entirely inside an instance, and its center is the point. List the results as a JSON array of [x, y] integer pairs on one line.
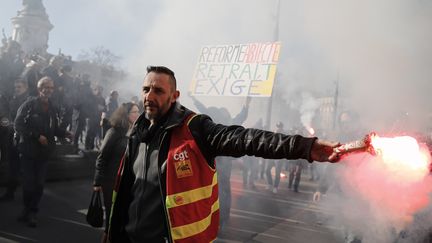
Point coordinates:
[[402, 156], [389, 183]]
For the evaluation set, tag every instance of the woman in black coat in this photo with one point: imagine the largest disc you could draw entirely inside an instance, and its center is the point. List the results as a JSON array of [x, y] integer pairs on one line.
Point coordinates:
[[111, 152]]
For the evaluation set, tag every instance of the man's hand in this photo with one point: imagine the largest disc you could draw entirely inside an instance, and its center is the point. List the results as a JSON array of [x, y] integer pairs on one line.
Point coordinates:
[[322, 151], [97, 188], [43, 140]]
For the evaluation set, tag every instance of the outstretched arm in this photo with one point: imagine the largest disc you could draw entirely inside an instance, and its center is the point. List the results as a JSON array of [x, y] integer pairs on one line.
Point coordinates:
[[236, 141]]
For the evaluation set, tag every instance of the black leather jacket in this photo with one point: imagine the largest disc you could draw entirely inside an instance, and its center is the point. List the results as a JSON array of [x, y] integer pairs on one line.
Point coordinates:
[[31, 122], [213, 140]]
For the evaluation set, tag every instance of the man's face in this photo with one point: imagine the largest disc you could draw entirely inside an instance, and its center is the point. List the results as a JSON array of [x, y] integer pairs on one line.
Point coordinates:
[[46, 89], [20, 88], [158, 95]]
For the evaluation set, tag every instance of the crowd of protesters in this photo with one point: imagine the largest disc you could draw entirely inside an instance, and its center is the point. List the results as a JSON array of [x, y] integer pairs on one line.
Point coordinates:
[[78, 114], [77, 104], [83, 111], [82, 117]]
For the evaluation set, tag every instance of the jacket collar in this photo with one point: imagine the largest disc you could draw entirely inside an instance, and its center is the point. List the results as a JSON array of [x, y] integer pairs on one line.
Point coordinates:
[[174, 117]]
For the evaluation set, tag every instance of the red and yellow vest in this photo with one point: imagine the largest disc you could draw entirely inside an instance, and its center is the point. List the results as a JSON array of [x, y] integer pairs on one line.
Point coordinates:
[[192, 191]]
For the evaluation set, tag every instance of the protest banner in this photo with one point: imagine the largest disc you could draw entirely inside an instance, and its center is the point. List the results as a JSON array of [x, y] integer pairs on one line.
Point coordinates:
[[236, 70]]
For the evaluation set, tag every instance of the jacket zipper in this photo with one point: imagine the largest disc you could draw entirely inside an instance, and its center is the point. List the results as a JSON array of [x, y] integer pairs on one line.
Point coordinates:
[[146, 158], [161, 192]]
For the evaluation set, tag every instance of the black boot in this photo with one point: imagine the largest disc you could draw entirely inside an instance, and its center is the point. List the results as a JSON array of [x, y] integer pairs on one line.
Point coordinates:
[[32, 220], [24, 216]]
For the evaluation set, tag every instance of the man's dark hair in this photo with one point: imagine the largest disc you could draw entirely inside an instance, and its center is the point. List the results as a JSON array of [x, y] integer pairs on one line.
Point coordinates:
[[164, 70]]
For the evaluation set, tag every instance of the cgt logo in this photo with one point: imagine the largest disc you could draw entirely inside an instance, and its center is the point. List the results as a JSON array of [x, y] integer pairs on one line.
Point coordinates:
[[183, 168], [181, 156], [182, 164]]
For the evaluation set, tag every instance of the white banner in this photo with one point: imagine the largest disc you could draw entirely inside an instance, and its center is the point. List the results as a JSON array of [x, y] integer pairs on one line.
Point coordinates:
[[236, 70]]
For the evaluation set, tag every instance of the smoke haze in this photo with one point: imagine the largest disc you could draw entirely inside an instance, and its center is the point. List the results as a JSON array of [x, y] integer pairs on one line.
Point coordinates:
[[378, 50], [375, 203]]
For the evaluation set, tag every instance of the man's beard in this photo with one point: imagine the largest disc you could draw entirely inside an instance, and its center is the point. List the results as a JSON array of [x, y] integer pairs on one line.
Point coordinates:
[[157, 111]]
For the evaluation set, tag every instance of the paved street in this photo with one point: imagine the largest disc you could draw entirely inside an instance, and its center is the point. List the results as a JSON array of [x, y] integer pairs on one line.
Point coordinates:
[[256, 215], [261, 216]]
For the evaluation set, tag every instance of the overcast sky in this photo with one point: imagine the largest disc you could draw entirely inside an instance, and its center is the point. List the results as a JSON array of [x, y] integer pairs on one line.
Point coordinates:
[[380, 50], [84, 24]]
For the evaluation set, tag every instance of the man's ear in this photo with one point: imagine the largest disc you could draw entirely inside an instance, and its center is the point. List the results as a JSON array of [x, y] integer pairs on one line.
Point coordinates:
[[176, 95]]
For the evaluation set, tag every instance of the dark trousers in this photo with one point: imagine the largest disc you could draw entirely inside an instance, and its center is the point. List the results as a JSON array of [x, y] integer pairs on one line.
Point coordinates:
[[10, 154], [14, 170], [295, 170], [92, 129], [263, 164], [79, 124], [5, 142], [105, 127], [250, 170], [278, 169], [33, 173], [66, 117], [224, 166]]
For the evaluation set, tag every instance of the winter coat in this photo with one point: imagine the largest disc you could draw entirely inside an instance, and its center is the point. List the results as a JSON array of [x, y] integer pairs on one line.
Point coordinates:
[[108, 160], [31, 122], [212, 139]]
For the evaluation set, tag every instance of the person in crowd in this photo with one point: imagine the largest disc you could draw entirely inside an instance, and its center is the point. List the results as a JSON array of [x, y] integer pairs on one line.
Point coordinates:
[[5, 121], [251, 164], [221, 115], [136, 100], [65, 95], [85, 107], [32, 74], [295, 168], [5, 138], [53, 71], [112, 105], [261, 162], [274, 163], [93, 110], [166, 190], [250, 172], [20, 96], [111, 152], [36, 124], [101, 108]]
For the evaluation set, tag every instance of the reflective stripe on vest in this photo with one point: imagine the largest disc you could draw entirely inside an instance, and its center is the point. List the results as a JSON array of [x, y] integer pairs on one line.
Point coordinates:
[[192, 191]]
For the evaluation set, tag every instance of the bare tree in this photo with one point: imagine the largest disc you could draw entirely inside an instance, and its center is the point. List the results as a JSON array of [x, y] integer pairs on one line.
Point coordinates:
[[101, 64], [100, 56]]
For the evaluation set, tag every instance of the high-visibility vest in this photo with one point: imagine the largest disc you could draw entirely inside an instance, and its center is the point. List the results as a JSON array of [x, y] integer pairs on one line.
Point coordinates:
[[192, 191]]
